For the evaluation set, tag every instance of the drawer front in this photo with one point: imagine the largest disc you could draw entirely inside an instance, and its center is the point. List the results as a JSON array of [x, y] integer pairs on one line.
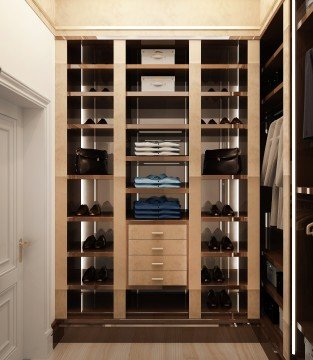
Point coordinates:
[[157, 278], [158, 83], [157, 232], [157, 247], [158, 56], [157, 263]]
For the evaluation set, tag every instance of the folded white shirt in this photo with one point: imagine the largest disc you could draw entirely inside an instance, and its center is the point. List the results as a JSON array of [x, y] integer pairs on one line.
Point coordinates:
[[169, 143], [146, 144], [168, 148], [147, 153], [146, 149]]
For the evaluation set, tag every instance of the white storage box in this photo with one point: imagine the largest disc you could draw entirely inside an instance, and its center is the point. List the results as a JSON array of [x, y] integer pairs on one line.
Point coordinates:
[[158, 83], [158, 56]]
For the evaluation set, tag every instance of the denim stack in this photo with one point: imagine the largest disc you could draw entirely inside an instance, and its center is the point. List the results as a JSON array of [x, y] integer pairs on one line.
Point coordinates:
[[157, 208], [157, 181]]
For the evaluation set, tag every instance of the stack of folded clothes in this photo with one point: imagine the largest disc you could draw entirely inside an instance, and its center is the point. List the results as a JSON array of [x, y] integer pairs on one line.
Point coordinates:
[[157, 147], [157, 208], [157, 181]]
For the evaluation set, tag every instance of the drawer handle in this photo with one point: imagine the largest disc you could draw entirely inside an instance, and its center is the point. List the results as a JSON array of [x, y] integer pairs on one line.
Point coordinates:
[[157, 279], [158, 55], [157, 264], [157, 83], [157, 233], [158, 248]]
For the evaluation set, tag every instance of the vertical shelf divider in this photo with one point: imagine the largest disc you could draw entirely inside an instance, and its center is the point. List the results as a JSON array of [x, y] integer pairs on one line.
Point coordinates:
[[194, 236], [61, 179], [119, 221], [253, 179]]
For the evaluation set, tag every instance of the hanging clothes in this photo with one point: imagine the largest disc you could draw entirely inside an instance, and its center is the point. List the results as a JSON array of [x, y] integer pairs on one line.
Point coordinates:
[[308, 96]]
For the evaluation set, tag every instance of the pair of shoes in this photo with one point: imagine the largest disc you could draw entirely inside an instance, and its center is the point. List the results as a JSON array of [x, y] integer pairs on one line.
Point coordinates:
[[94, 90], [226, 211], [83, 210], [91, 121], [223, 90], [216, 274], [214, 299], [211, 121], [225, 244], [91, 243], [91, 275], [234, 121]]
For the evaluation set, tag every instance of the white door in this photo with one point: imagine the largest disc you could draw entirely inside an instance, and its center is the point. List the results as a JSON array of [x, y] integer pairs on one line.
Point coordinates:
[[11, 325]]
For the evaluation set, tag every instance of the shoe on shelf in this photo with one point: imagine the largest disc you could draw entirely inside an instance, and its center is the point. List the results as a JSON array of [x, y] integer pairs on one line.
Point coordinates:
[[211, 90], [224, 90], [203, 122], [92, 90], [205, 275], [212, 300], [89, 243], [226, 244], [213, 244], [236, 121], [89, 121], [83, 210], [102, 275], [89, 275], [218, 274], [225, 300], [227, 211], [212, 121], [105, 90], [215, 211], [102, 121], [101, 242], [224, 121], [95, 210]]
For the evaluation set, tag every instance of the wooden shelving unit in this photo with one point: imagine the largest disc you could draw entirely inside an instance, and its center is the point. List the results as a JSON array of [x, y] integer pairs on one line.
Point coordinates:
[[91, 93], [157, 93], [271, 290], [158, 158], [90, 126], [238, 217], [275, 257], [223, 126], [223, 93], [160, 127], [276, 60], [274, 94], [158, 191]]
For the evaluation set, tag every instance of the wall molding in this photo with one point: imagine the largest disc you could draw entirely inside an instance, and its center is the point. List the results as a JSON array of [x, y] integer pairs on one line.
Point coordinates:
[[43, 15], [269, 16]]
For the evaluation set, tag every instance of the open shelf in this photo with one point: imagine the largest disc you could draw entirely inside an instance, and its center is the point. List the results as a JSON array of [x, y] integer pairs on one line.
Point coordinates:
[[90, 126], [271, 290], [275, 257], [223, 126], [157, 127], [90, 177], [157, 66], [230, 282], [107, 252], [223, 93], [172, 158], [103, 217], [224, 177], [159, 191], [238, 217], [274, 94], [91, 66], [157, 93], [276, 60], [91, 93], [205, 252], [108, 285], [223, 66]]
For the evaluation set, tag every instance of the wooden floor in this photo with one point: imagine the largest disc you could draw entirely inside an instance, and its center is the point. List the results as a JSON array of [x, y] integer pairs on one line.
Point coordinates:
[[159, 351]]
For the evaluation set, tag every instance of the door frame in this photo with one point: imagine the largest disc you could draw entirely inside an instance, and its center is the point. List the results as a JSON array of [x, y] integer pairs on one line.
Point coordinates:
[[18, 93]]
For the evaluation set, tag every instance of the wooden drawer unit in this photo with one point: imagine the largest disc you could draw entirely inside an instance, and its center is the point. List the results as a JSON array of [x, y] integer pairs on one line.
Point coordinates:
[[157, 247], [157, 278], [157, 263], [149, 232]]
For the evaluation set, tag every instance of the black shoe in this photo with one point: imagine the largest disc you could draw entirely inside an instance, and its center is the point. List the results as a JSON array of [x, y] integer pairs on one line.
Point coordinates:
[[89, 243], [227, 244], [102, 121], [224, 121], [225, 300], [213, 244], [102, 275], [101, 242], [211, 90], [227, 211], [92, 89], [89, 275], [205, 275], [83, 210], [212, 300], [214, 211], [105, 90], [89, 121], [203, 122], [95, 210], [224, 90], [236, 121], [218, 275], [212, 121]]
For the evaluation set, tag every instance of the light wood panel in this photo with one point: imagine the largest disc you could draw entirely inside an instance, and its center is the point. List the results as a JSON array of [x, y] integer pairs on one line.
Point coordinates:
[[254, 179], [157, 247], [157, 232], [194, 238], [61, 179], [157, 278], [119, 222], [157, 262]]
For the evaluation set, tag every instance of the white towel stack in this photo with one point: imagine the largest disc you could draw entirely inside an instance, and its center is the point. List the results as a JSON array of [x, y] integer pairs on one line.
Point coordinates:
[[157, 147]]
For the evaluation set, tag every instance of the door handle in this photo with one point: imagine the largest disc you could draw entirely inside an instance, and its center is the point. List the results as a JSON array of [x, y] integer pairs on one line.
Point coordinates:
[[21, 246], [309, 229]]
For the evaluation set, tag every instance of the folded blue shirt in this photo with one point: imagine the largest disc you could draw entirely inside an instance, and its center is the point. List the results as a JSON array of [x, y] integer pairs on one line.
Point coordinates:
[[151, 186], [157, 203], [157, 179]]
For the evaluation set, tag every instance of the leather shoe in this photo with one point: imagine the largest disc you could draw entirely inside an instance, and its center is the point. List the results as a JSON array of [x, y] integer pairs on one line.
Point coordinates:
[[102, 275], [212, 121], [89, 275], [203, 122], [95, 210], [224, 90], [105, 89], [83, 210], [92, 89], [212, 300], [227, 244], [214, 211], [213, 244], [205, 275], [89, 121], [227, 211], [102, 121], [89, 243], [211, 90], [236, 121], [218, 275], [101, 242], [224, 121], [225, 300]]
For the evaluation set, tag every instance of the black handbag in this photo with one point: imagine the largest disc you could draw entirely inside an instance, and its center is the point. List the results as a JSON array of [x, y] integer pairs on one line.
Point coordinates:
[[91, 162], [222, 162]]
